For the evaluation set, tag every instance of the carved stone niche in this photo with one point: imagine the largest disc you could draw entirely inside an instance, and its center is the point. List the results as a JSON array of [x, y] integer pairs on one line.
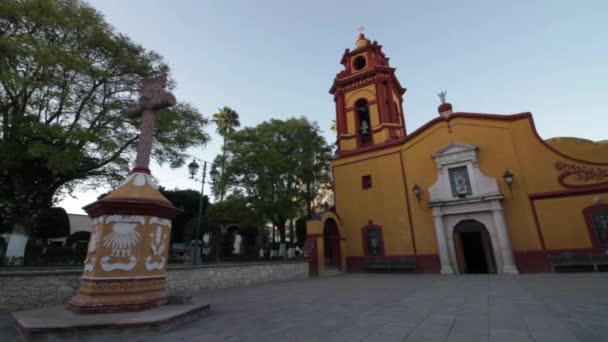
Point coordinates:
[[458, 155]]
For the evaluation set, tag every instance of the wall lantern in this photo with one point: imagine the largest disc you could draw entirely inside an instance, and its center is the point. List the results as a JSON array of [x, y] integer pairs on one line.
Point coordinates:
[[417, 191], [193, 168], [508, 177]]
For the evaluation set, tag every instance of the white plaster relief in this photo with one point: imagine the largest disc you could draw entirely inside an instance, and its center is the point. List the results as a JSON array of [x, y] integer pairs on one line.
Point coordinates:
[[160, 221], [158, 246], [140, 179], [483, 205], [123, 237], [125, 218], [89, 266], [94, 240], [107, 266]]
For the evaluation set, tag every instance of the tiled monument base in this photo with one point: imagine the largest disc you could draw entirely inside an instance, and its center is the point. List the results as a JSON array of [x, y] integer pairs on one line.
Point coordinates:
[[59, 323], [119, 295]]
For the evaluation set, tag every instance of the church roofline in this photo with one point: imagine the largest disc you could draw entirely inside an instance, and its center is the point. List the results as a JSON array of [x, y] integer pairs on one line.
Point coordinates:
[[457, 146], [338, 82], [374, 45], [457, 115]]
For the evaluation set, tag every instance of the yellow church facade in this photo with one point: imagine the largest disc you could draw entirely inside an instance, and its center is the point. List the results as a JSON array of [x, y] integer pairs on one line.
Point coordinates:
[[464, 193]]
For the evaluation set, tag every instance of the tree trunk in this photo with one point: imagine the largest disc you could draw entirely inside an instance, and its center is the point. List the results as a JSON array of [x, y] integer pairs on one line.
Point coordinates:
[[309, 201], [222, 180], [281, 229]]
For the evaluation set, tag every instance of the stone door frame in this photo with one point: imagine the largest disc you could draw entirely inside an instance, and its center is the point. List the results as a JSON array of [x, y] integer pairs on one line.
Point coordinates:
[[485, 211], [482, 203]]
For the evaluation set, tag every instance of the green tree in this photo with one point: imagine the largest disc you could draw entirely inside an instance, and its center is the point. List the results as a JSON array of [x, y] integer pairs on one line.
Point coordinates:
[[66, 81], [280, 166], [188, 201], [235, 209], [227, 120]]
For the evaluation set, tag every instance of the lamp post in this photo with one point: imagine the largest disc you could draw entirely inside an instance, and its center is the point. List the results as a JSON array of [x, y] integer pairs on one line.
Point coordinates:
[[193, 168]]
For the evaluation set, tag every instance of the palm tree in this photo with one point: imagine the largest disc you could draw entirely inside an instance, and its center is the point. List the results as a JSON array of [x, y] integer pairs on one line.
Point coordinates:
[[226, 119]]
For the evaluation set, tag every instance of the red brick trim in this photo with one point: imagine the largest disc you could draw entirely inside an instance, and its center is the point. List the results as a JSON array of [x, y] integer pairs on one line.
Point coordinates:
[[559, 194], [367, 158], [425, 263], [369, 103], [107, 309], [140, 169], [368, 148], [535, 261], [132, 206], [480, 116], [310, 251], [568, 193], [539, 231], [407, 199], [587, 212]]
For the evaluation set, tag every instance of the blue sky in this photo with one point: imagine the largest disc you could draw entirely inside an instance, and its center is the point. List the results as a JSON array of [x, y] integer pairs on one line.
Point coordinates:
[[278, 59]]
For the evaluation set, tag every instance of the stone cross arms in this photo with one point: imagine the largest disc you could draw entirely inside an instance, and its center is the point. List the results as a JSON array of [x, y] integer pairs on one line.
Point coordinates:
[[153, 97]]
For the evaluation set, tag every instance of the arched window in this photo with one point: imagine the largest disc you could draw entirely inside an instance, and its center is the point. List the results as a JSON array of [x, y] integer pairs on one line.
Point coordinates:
[[364, 129], [597, 224]]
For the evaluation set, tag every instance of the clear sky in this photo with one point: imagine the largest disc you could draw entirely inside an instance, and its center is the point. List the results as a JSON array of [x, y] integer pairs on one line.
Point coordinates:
[[278, 59]]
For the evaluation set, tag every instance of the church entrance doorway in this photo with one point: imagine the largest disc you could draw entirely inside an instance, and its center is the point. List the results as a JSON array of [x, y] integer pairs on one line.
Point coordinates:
[[331, 244], [473, 248]]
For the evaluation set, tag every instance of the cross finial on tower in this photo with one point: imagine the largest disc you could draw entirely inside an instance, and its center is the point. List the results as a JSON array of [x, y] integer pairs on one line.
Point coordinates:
[[361, 29]]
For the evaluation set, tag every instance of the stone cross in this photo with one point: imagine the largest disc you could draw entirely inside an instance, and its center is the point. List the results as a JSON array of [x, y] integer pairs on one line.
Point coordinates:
[[153, 97]]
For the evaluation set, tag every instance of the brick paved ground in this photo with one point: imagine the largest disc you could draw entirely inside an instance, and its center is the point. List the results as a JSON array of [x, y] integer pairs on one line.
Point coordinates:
[[394, 307]]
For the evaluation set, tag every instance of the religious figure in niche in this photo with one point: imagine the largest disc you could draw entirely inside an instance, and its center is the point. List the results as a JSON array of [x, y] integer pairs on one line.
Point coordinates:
[[364, 128], [459, 179]]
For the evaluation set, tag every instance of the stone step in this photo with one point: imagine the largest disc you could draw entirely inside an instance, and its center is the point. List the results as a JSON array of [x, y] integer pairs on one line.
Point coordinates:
[[331, 271]]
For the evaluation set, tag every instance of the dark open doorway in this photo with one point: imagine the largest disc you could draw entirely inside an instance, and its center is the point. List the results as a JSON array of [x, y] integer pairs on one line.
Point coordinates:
[[331, 243], [473, 248]]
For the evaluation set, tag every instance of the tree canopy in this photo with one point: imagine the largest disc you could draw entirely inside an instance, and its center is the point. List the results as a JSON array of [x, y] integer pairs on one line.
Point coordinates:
[[279, 166], [66, 81]]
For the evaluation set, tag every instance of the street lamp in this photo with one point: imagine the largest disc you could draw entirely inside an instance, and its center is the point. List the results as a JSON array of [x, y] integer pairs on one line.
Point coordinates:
[[214, 174], [193, 169]]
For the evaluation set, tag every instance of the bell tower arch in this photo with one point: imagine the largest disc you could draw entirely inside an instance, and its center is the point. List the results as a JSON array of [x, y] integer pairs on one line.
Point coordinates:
[[369, 99]]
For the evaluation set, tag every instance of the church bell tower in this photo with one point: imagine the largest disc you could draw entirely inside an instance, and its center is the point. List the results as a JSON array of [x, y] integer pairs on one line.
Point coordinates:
[[369, 99]]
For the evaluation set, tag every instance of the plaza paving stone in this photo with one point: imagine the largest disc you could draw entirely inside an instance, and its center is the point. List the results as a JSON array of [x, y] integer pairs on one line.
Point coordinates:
[[401, 307]]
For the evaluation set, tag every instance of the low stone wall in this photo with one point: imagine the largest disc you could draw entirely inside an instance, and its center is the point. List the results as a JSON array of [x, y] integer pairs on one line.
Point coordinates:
[[32, 288]]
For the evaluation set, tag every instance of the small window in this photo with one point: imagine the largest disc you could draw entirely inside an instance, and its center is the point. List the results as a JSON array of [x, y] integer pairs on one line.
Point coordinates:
[[359, 62], [459, 179], [373, 241], [599, 221], [366, 181]]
